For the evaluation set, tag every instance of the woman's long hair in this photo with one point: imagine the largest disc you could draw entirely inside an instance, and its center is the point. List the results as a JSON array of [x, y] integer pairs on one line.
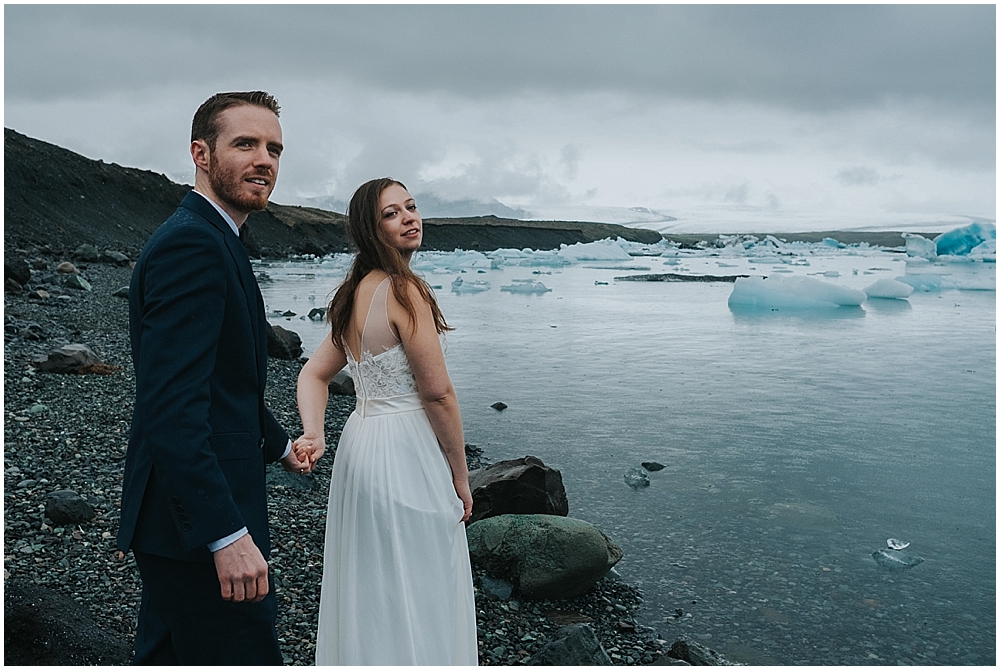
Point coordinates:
[[373, 253]]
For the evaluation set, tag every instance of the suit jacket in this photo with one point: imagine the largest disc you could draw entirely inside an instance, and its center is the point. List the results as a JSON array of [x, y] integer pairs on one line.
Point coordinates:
[[201, 434]]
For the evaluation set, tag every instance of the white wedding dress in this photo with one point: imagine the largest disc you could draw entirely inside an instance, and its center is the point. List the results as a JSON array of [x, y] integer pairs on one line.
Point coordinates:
[[397, 582]]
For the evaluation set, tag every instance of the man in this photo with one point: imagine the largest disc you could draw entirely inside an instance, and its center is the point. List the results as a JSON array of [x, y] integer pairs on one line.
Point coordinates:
[[194, 508]]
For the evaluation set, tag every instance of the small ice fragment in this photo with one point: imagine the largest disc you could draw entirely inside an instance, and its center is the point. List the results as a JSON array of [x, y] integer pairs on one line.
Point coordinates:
[[636, 478], [525, 286], [895, 560], [889, 288], [462, 286], [896, 544]]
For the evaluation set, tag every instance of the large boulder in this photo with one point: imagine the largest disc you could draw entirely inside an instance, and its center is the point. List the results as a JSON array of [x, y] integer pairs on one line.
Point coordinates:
[[116, 257], [282, 343], [694, 653], [519, 486], [87, 252], [70, 359], [68, 508], [545, 556], [16, 273], [342, 384], [42, 626], [575, 644]]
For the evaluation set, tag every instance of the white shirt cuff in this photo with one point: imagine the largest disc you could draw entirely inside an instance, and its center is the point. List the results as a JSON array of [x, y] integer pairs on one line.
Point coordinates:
[[227, 540], [288, 450]]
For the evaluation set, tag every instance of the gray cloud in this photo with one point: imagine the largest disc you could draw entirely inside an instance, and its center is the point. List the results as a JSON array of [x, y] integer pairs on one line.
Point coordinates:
[[663, 106], [858, 176], [814, 57]]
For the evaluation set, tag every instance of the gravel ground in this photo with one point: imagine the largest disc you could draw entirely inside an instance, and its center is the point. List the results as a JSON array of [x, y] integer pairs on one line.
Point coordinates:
[[71, 432]]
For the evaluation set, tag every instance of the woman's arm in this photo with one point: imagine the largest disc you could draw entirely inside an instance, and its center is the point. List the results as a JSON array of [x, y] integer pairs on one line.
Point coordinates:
[[313, 392], [423, 351]]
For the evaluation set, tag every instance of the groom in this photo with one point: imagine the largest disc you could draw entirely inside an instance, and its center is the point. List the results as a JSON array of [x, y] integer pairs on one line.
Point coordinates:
[[194, 507]]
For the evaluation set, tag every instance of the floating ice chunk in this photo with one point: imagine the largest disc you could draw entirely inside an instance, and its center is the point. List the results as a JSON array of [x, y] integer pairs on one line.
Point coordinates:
[[602, 250], [462, 286], [896, 544], [923, 282], [960, 241], [895, 560], [918, 246], [830, 242], [636, 478], [889, 288], [525, 286], [803, 293], [987, 251]]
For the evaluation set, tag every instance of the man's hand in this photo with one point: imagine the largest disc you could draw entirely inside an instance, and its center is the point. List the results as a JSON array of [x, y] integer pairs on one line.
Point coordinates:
[[242, 571], [309, 448], [296, 462]]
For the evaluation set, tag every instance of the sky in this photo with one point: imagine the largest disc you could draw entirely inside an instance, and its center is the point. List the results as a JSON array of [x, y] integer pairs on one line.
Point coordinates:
[[694, 118]]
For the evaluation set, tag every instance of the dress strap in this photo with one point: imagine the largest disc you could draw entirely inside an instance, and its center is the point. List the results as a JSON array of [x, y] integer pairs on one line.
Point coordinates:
[[377, 335]]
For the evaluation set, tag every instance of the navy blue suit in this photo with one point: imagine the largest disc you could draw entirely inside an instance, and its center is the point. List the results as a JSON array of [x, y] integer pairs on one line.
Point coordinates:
[[201, 434]]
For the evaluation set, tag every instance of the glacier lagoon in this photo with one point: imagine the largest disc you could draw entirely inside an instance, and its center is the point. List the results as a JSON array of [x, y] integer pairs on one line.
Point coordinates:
[[796, 441]]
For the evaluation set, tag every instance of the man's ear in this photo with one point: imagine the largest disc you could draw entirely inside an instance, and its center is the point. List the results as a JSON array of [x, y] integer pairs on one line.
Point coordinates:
[[201, 154]]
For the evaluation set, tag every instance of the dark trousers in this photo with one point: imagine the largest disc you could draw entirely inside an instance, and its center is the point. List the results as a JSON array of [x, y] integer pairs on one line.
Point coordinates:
[[183, 619]]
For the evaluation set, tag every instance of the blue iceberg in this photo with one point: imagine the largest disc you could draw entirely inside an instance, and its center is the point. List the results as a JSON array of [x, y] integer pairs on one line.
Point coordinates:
[[960, 241]]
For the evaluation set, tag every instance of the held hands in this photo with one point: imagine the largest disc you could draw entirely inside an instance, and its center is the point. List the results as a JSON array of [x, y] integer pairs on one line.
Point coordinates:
[[296, 462], [308, 449], [242, 571]]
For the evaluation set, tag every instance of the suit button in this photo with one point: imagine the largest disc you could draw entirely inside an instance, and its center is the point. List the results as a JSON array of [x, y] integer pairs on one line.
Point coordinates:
[[186, 526], [175, 501]]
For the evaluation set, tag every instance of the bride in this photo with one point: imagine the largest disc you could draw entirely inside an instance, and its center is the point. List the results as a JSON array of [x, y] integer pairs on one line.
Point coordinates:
[[397, 583]]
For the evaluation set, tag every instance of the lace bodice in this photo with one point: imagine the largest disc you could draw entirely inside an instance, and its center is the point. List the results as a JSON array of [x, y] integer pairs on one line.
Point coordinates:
[[383, 371], [383, 376]]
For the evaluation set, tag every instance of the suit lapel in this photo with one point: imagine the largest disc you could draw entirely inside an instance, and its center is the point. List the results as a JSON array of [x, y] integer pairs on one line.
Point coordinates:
[[251, 292]]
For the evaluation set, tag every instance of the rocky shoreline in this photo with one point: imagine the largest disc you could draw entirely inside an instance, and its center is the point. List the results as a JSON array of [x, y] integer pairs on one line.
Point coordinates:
[[65, 431]]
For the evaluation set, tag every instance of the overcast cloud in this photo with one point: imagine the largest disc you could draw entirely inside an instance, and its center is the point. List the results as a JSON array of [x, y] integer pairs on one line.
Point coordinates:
[[862, 114]]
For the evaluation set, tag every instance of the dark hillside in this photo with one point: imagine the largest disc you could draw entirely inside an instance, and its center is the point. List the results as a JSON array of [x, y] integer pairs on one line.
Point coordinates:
[[55, 199]]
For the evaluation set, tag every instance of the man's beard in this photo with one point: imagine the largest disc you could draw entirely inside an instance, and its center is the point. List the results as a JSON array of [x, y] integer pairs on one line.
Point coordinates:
[[226, 185]]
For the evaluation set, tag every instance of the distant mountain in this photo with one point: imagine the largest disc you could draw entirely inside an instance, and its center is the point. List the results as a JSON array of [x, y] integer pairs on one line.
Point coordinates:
[[431, 206], [55, 200]]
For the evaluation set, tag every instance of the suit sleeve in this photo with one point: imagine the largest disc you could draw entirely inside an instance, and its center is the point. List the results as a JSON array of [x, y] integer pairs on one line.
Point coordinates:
[[184, 296], [275, 437]]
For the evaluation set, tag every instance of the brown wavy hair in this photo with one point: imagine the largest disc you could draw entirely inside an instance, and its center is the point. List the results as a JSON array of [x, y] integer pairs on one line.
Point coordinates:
[[374, 253], [205, 125]]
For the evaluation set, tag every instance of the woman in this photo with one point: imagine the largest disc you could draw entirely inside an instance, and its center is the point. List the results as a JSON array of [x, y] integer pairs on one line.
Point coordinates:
[[397, 583]]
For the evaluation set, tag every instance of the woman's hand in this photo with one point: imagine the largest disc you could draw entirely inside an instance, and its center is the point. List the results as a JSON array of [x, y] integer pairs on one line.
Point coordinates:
[[463, 491], [309, 448]]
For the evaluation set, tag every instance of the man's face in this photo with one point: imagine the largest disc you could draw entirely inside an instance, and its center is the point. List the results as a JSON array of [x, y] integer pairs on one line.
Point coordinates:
[[243, 167]]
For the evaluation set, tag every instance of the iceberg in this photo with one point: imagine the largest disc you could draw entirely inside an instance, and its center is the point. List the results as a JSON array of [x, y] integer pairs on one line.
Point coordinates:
[[462, 286], [923, 282], [603, 250], [961, 241], [792, 293], [525, 286], [889, 288], [918, 246]]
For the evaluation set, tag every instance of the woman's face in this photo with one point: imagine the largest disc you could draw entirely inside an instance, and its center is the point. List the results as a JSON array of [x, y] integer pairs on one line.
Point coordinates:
[[400, 220]]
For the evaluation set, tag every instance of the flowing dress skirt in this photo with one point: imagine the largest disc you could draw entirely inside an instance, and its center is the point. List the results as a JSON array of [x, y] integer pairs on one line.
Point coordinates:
[[397, 582]]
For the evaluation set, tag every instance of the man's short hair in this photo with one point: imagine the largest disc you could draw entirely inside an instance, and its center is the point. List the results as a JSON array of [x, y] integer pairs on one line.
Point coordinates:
[[205, 125]]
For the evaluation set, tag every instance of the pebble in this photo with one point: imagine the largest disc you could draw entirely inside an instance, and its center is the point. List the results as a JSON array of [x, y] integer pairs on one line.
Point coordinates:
[[79, 441]]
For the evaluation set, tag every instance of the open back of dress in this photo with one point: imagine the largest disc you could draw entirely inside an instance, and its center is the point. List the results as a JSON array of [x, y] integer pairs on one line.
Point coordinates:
[[397, 583]]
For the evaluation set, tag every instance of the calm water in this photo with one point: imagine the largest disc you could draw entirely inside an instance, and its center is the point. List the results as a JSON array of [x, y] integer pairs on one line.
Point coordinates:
[[794, 447]]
